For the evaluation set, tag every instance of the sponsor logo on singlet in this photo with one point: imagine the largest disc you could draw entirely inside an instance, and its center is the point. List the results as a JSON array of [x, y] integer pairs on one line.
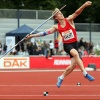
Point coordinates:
[[67, 35]]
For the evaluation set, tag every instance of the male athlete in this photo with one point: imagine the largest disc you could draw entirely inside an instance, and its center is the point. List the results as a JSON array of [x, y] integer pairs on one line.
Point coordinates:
[[67, 30]]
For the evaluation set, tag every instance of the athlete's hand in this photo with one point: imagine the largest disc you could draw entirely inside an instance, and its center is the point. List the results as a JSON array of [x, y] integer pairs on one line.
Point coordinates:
[[27, 37], [88, 3]]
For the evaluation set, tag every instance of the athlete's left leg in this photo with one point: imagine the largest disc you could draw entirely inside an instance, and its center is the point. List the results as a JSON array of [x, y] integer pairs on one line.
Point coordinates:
[[79, 62]]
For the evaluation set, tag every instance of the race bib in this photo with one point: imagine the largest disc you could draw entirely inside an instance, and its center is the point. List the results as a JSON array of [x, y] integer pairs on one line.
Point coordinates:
[[67, 35]]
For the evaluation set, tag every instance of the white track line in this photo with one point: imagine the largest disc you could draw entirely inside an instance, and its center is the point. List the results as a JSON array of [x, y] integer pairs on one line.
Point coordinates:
[[51, 95], [47, 85], [33, 70]]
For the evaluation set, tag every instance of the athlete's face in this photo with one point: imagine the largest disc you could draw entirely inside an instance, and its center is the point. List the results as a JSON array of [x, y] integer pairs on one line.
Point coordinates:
[[59, 15]]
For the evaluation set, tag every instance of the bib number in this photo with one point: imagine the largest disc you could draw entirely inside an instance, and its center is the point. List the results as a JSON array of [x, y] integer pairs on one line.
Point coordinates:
[[67, 35]]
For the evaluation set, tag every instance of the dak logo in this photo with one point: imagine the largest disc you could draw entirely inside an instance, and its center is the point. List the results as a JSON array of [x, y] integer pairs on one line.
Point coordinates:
[[15, 62]]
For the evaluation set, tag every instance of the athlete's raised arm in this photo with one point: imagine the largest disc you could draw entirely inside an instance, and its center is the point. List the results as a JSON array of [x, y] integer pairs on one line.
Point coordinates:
[[79, 10]]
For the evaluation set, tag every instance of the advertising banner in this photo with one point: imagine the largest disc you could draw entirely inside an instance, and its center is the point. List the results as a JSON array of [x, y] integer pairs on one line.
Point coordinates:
[[60, 62], [14, 63], [54, 62]]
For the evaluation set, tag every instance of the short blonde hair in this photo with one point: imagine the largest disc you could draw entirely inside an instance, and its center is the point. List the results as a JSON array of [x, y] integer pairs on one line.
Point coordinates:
[[54, 12]]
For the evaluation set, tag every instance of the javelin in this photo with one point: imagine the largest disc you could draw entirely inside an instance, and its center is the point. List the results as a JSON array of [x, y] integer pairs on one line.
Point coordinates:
[[33, 31]]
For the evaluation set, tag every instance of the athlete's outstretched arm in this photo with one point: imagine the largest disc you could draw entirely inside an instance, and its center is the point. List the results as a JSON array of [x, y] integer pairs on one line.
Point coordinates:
[[79, 10], [47, 32]]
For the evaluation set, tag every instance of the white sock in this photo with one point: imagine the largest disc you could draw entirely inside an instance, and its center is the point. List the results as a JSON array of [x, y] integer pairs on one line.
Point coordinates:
[[62, 77], [84, 73]]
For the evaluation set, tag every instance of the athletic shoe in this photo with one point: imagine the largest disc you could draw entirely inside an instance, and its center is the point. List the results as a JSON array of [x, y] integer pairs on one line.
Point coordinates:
[[89, 77], [59, 82]]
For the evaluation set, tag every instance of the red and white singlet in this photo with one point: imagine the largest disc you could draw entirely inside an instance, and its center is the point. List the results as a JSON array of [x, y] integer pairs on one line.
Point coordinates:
[[68, 33]]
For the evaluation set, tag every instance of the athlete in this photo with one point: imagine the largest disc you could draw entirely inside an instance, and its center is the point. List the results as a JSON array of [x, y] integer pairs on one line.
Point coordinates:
[[67, 30]]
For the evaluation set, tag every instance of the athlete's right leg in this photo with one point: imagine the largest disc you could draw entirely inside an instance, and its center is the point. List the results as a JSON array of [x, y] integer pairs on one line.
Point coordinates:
[[67, 71], [70, 68]]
